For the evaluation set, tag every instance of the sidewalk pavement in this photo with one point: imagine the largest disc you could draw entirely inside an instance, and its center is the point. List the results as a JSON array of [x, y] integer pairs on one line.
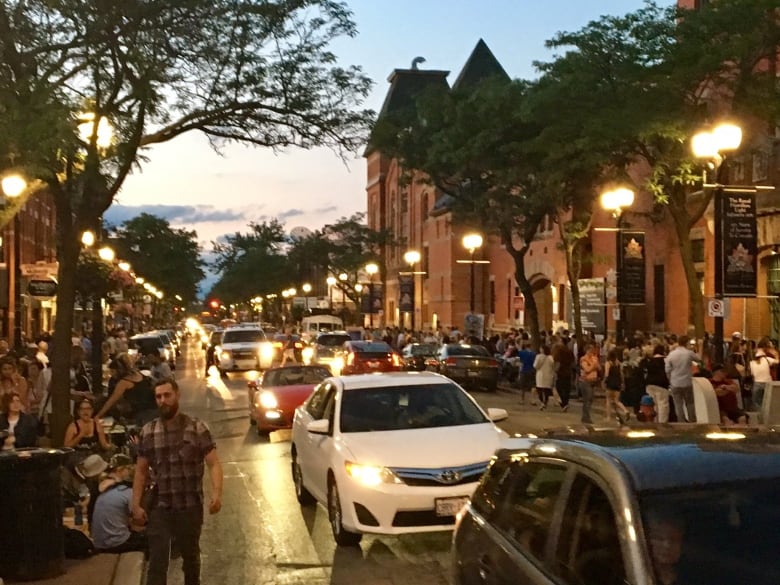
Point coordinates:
[[102, 569]]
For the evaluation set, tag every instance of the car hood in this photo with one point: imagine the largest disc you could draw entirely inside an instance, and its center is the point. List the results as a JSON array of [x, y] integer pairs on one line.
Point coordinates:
[[290, 397], [427, 448], [241, 345]]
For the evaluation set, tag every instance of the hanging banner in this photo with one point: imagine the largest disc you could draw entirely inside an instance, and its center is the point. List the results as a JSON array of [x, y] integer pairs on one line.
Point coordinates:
[[592, 307], [373, 298], [740, 245], [406, 293], [631, 268]]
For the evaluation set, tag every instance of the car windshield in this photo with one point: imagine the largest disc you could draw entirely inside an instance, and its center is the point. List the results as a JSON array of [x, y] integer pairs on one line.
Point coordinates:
[[424, 349], [294, 376], [242, 335], [145, 345], [715, 535], [396, 408], [377, 348], [332, 340], [467, 350]]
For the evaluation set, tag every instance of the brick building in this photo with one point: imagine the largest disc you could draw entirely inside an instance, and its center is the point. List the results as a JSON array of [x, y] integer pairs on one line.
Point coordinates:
[[418, 215]]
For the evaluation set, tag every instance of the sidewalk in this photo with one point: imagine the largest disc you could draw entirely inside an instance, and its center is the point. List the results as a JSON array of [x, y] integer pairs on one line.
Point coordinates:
[[102, 569]]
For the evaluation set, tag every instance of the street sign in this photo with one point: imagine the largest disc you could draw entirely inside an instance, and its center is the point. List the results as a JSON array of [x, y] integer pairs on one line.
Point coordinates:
[[39, 270], [718, 308], [42, 289]]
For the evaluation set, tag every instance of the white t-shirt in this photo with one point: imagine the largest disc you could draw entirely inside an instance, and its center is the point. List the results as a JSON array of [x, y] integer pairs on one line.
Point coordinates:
[[760, 367]]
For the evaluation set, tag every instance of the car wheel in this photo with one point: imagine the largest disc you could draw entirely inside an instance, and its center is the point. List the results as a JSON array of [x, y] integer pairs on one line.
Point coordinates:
[[301, 493], [340, 535]]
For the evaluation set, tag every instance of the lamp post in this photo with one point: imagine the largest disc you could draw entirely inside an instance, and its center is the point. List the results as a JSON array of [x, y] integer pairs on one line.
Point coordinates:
[[331, 280], [371, 270], [13, 186], [713, 146], [471, 242], [616, 201], [306, 290], [412, 257], [359, 291]]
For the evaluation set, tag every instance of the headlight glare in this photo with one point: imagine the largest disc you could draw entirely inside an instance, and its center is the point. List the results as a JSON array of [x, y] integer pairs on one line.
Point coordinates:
[[267, 351], [370, 475], [225, 355], [268, 400]]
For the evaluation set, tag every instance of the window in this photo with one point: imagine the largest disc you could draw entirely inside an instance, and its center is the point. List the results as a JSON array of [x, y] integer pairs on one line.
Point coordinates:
[[659, 292], [760, 166], [318, 401], [492, 297], [589, 551], [425, 262], [520, 497]]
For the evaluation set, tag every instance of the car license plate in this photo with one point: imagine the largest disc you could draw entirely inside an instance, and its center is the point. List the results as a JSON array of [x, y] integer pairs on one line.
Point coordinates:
[[373, 364], [450, 506], [472, 373]]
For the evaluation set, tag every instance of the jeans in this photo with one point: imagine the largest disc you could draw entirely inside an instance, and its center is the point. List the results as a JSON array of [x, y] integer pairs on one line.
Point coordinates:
[[758, 394], [182, 525], [660, 396], [683, 396], [563, 386], [586, 389]]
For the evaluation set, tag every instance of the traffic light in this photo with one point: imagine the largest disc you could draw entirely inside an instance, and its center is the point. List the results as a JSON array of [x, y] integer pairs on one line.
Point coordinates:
[[214, 304]]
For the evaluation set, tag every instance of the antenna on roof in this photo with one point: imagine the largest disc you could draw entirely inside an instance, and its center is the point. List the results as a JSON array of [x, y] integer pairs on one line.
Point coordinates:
[[416, 61]]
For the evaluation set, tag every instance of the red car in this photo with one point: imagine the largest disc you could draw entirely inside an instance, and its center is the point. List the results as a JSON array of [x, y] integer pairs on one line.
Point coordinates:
[[365, 357], [274, 397]]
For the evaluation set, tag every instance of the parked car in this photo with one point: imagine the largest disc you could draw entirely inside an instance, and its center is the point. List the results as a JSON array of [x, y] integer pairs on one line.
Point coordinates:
[[326, 346], [364, 357], [471, 366], [641, 506], [419, 356], [275, 396], [145, 343], [244, 348], [391, 453]]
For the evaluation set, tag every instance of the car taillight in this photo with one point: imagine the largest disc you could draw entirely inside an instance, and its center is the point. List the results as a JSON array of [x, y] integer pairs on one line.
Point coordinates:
[[298, 345], [492, 362], [396, 359], [451, 361], [350, 359]]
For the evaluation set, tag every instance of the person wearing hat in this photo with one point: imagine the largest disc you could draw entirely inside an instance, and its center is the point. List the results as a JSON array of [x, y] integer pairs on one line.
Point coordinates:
[[111, 527], [646, 409]]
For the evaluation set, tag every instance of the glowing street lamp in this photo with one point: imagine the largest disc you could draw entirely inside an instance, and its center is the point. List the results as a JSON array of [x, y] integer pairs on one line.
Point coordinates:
[[371, 269], [472, 242], [124, 266], [106, 254], [13, 186], [616, 200], [331, 280]]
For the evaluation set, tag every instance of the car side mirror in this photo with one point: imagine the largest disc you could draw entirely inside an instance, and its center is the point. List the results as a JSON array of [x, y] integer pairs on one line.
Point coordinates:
[[497, 414], [322, 426]]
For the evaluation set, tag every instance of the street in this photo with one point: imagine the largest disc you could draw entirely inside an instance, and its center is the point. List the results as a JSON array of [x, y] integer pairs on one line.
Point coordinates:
[[263, 536]]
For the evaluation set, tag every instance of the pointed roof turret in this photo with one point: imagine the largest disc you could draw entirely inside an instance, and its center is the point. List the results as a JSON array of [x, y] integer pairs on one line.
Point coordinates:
[[481, 65]]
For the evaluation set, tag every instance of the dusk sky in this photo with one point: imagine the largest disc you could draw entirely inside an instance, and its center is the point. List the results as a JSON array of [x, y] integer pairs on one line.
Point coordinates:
[[192, 186]]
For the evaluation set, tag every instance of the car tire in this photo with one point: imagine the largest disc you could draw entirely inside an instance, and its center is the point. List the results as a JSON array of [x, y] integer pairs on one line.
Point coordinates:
[[303, 495], [342, 536]]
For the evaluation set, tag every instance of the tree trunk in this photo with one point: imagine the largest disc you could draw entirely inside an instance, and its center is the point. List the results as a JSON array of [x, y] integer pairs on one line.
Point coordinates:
[[695, 296], [97, 345], [573, 270]]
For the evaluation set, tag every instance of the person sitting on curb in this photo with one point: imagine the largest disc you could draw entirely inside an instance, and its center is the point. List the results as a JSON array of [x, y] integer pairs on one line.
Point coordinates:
[[726, 391], [112, 527]]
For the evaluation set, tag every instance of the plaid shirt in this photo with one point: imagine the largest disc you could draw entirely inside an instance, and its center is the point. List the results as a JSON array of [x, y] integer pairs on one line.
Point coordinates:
[[175, 453]]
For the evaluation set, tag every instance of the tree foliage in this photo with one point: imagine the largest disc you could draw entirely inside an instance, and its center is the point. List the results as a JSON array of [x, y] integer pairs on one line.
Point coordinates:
[[168, 257]]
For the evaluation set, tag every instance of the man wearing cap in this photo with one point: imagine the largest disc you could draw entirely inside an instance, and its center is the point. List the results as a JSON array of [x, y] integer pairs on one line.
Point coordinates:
[[111, 521], [173, 449]]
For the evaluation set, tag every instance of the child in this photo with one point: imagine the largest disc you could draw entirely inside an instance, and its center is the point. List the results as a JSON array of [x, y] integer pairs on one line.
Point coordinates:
[[646, 409]]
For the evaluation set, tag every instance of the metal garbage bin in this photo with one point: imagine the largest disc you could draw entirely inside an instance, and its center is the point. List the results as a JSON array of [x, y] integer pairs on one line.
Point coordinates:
[[31, 536]]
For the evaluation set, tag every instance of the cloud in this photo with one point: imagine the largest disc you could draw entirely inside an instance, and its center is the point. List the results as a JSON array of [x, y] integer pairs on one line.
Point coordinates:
[[118, 214], [328, 209], [289, 213]]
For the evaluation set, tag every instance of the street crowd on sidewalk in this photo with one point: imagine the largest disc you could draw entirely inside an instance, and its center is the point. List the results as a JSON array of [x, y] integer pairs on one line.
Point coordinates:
[[119, 493], [648, 376]]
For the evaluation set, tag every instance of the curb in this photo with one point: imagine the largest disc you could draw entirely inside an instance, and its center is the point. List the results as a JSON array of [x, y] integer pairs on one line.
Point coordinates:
[[129, 569]]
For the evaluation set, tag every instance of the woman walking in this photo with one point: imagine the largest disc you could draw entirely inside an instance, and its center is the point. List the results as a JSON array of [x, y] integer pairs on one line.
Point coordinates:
[[545, 375], [613, 386]]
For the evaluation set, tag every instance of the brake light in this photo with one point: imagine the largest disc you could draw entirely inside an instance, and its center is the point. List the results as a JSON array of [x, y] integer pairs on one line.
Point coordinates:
[[493, 362], [450, 361], [298, 345], [396, 360], [350, 359]]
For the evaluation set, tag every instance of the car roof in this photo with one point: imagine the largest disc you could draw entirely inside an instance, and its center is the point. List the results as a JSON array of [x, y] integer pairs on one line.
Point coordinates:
[[380, 380], [662, 457]]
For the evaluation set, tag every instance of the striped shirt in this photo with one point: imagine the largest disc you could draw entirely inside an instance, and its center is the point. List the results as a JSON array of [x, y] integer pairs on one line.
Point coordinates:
[[175, 453]]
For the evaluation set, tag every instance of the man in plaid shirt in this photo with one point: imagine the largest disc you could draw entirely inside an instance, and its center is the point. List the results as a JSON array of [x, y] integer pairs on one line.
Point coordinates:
[[175, 447]]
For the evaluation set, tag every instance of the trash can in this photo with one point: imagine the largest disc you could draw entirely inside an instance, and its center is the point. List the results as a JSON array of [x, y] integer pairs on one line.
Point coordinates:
[[31, 536]]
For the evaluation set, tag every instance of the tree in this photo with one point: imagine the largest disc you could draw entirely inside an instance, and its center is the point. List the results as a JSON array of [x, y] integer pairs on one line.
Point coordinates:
[[469, 143], [168, 257], [245, 71]]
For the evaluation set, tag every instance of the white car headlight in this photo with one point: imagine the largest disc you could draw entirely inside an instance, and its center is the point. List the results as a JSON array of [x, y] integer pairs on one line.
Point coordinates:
[[268, 400], [370, 475], [225, 355], [337, 365], [307, 353], [266, 351]]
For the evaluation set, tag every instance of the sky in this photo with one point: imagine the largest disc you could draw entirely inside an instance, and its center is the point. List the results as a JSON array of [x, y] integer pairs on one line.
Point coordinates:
[[191, 186]]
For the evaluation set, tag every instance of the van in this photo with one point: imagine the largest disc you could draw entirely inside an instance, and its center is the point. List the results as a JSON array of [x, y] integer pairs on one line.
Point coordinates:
[[314, 324]]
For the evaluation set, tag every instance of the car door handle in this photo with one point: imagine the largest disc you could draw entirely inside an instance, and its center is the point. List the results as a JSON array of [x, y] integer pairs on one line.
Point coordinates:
[[485, 567]]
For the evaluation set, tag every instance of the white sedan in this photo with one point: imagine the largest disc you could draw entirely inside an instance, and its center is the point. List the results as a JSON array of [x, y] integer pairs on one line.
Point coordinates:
[[391, 453]]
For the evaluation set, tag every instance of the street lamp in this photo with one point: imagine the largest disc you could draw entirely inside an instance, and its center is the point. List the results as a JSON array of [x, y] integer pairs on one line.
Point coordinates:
[[13, 186], [331, 280], [371, 270], [471, 242], [616, 201], [107, 254], [713, 146], [306, 290], [412, 257]]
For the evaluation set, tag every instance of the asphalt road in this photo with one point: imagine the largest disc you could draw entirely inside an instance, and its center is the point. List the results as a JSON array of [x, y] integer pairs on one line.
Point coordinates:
[[262, 535]]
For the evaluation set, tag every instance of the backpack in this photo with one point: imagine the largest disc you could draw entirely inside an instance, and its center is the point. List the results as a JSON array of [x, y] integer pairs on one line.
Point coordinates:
[[77, 544]]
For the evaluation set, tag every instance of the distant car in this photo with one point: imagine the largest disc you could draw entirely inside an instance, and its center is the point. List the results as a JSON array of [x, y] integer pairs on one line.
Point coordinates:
[[326, 346], [646, 506], [145, 343], [419, 356], [244, 348], [274, 398], [365, 357], [471, 366], [392, 453]]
